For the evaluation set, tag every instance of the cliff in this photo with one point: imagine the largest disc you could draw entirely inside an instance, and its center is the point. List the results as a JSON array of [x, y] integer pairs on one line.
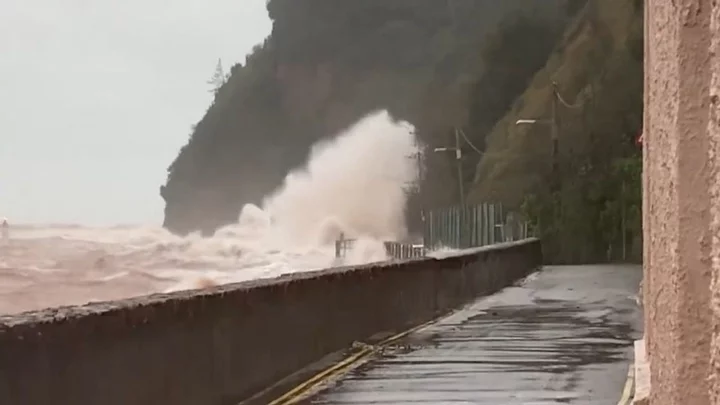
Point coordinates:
[[327, 63], [594, 214]]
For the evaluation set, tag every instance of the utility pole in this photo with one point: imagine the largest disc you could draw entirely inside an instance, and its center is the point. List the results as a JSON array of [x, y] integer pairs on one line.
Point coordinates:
[[555, 135], [623, 220], [461, 186], [557, 181], [554, 122], [461, 190], [458, 160], [463, 239]]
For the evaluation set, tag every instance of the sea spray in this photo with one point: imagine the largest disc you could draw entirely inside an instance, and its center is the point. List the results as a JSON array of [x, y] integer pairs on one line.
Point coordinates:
[[353, 184]]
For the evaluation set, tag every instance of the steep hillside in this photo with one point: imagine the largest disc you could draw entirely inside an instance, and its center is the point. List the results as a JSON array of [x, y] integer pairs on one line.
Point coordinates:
[[327, 63], [595, 213]]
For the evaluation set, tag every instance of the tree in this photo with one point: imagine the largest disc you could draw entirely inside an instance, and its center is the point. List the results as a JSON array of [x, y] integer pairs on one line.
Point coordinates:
[[218, 78]]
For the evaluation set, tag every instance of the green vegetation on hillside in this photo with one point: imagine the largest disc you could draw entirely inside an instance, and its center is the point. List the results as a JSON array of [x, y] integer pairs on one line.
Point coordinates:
[[595, 214]]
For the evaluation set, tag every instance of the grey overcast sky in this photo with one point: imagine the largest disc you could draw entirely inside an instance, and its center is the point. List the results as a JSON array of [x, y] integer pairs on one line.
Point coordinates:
[[97, 97]]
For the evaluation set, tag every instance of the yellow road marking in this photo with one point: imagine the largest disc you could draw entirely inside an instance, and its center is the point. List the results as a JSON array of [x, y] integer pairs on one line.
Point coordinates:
[[340, 368], [356, 359], [627, 394]]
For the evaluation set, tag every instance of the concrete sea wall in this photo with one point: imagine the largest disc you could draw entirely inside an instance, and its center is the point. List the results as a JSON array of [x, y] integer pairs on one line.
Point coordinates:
[[221, 345]]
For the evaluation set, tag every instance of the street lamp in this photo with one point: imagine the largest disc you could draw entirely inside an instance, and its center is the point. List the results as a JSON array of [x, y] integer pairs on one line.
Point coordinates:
[[458, 158], [461, 186], [554, 126], [458, 151], [532, 121]]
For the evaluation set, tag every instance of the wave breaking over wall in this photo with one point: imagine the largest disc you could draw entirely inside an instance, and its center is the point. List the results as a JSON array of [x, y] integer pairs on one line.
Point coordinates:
[[353, 184]]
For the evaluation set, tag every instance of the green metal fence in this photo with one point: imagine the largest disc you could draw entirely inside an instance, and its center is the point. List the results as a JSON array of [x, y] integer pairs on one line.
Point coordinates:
[[455, 228], [476, 225]]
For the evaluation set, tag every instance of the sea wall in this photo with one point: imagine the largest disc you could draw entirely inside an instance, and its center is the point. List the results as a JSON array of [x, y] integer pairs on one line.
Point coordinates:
[[221, 345]]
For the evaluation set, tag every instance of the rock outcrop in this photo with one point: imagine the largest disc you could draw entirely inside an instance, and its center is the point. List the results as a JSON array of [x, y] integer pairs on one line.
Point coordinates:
[[327, 63]]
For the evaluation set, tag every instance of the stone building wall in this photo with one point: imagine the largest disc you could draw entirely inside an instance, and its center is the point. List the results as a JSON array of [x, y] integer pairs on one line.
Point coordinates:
[[682, 200]]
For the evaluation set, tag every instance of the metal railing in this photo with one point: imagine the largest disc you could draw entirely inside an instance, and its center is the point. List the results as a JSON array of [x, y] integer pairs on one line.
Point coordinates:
[[476, 225], [394, 250], [455, 228], [402, 251]]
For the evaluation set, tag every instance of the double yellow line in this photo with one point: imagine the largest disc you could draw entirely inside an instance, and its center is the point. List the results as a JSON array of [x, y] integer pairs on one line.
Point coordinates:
[[361, 356], [627, 394], [348, 364]]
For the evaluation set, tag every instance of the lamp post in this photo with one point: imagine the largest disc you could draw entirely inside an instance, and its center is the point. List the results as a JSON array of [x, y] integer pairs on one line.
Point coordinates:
[[554, 122], [555, 135], [555, 148], [458, 161], [461, 185]]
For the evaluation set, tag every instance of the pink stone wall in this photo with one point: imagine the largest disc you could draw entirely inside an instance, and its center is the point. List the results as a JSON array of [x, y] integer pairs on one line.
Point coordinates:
[[680, 178], [714, 157], [647, 186]]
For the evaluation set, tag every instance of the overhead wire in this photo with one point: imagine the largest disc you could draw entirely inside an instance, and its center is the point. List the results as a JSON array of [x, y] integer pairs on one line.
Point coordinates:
[[462, 133], [575, 105], [565, 103]]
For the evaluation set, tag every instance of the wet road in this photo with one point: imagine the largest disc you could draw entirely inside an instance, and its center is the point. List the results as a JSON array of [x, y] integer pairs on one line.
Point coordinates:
[[563, 336]]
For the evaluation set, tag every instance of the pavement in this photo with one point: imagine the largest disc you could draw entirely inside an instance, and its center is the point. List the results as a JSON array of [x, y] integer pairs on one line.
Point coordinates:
[[562, 336]]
